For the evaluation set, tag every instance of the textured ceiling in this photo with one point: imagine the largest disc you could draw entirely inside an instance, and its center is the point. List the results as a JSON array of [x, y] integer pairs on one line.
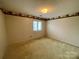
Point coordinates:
[[55, 7]]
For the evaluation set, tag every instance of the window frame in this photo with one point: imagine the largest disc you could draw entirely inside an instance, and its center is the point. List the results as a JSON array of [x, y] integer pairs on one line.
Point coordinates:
[[37, 26]]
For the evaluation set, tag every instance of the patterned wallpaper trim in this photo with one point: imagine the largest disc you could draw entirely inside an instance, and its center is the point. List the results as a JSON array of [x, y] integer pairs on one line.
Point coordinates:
[[36, 17]]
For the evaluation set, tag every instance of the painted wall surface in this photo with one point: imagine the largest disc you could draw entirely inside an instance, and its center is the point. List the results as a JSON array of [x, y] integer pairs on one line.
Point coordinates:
[[2, 35], [66, 30], [20, 29]]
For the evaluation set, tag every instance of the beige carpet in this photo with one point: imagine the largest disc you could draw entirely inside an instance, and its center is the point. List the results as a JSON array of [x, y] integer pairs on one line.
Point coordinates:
[[43, 48]]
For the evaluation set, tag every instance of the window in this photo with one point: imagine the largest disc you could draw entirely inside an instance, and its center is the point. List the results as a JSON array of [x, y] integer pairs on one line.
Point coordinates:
[[37, 25]]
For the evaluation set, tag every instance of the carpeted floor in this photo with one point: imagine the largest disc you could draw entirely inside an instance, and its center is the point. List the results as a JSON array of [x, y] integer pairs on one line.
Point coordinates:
[[43, 48]]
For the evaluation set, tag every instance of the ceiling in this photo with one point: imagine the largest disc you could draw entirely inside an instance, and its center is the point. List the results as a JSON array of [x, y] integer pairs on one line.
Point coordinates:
[[33, 7]]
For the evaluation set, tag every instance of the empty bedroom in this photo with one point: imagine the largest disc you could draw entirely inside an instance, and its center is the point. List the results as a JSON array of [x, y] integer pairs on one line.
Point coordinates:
[[39, 29]]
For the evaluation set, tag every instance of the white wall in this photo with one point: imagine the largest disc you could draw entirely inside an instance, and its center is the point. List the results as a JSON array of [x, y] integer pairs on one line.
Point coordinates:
[[2, 35], [66, 30], [20, 29]]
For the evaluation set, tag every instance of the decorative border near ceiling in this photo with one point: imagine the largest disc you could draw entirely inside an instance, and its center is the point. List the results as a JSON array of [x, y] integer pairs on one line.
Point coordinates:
[[65, 16], [36, 17], [21, 14]]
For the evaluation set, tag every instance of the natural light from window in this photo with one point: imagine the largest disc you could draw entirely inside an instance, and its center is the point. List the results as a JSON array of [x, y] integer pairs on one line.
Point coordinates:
[[37, 26]]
